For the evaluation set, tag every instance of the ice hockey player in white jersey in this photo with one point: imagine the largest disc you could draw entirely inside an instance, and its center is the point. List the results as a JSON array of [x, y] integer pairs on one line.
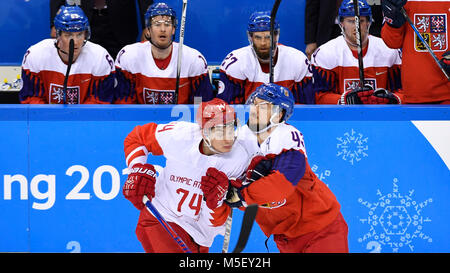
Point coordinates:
[[91, 77], [335, 64], [182, 192], [246, 68], [147, 71]]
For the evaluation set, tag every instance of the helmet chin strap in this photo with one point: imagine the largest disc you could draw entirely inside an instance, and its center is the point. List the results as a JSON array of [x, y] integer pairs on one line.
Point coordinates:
[[348, 40], [207, 140], [160, 47], [157, 46], [271, 124], [208, 144], [62, 51]]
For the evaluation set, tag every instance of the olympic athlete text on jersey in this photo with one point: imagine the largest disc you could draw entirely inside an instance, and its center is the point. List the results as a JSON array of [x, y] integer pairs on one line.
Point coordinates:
[[246, 68], [185, 192], [91, 78], [147, 71]]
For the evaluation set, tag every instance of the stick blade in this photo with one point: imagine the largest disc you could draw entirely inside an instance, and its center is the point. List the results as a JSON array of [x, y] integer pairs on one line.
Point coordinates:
[[246, 228]]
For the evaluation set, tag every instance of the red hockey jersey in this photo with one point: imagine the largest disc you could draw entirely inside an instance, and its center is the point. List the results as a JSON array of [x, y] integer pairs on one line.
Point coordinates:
[[422, 80]]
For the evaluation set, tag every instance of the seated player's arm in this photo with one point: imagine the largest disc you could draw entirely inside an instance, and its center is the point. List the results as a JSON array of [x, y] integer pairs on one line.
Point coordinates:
[[324, 86]]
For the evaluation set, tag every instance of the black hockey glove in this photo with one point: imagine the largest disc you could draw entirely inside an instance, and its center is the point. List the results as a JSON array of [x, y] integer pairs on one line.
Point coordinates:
[[392, 12], [259, 167], [382, 96], [357, 96], [445, 62]]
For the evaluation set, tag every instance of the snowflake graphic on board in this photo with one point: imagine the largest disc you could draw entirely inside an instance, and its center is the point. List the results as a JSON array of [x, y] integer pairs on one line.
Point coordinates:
[[352, 147], [322, 174], [395, 220]]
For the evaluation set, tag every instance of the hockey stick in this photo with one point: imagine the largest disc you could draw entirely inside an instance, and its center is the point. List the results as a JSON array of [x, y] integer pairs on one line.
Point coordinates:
[[273, 14], [180, 50], [226, 236], [359, 43], [424, 42], [246, 228], [69, 65], [166, 226]]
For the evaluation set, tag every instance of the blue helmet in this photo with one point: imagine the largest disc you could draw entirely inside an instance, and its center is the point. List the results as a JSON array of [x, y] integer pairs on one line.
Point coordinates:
[[71, 19], [160, 9], [260, 21], [276, 95], [346, 9]]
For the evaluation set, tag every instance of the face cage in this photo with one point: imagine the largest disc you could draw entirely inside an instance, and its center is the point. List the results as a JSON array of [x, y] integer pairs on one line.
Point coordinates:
[[207, 134], [276, 110]]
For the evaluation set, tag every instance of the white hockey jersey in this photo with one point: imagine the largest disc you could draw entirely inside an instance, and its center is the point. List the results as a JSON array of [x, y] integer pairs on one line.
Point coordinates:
[[241, 73], [91, 77], [140, 80], [178, 196], [335, 68]]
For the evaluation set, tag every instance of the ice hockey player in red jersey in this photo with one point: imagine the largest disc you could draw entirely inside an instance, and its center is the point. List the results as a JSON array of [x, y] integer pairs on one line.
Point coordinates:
[[246, 68], [335, 64], [193, 206], [147, 71], [422, 79], [91, 78], [295, 206]]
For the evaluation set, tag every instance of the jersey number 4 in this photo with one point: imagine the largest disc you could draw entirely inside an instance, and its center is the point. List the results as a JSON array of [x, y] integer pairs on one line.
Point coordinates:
[[195, 203]]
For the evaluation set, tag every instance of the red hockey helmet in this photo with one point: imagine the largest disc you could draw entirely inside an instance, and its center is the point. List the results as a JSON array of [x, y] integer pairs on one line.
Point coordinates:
[[214, 112]]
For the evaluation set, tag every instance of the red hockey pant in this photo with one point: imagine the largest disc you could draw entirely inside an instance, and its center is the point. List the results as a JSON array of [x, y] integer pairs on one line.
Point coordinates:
[[155, 239], [331, 239]]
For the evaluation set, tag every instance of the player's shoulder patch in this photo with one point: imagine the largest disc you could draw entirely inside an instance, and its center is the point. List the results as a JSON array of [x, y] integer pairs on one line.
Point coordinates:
[[236, 61], [292, 52], [177, 129], [39, 54], [379, 54], [326, 55], [130, 54], [285, 137]]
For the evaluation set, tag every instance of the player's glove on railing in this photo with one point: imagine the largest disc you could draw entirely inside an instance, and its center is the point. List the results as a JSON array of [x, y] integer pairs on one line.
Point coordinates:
[[357, 96], [383, 96], [141, 181], [392, 12]]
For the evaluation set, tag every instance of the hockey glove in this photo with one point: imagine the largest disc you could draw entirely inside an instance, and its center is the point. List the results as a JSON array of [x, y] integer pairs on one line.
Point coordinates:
[[357, 96], [259, 167], [445, 62], [392, 12], [234, 198], [214, 186], [141, 181], [382, 96]]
